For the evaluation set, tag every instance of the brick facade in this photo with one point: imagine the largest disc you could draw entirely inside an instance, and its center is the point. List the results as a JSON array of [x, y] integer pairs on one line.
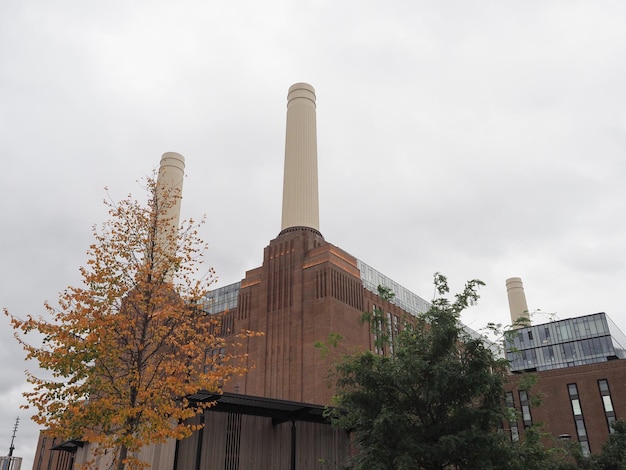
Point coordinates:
[[306, 289], [555, 411]]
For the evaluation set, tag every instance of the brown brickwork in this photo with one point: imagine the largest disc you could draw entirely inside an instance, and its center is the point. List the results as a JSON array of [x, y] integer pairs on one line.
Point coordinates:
[[556, 410], [46, 458], [305, 289]]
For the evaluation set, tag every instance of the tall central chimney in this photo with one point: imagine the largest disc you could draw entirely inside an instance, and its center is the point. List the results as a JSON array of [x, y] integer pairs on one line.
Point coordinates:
[[300, 195]]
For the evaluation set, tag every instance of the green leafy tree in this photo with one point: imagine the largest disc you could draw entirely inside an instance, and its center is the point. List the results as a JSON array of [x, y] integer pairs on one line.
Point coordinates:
[[434, 403], [613, 455], [532, 453]]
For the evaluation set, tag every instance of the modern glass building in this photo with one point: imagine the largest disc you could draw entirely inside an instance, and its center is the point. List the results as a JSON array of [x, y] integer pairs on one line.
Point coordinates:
[[565, 343]]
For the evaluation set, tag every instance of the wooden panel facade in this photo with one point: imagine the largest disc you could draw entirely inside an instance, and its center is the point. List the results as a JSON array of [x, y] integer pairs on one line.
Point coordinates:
[[234, 441]]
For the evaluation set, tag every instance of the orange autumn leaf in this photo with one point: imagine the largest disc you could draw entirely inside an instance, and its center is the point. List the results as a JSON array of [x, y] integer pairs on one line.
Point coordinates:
[[125, 347]]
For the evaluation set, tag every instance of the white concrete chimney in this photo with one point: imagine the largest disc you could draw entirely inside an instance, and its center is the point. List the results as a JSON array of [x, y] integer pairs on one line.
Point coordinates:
[[169, 190], [300, 194], [517, 302]]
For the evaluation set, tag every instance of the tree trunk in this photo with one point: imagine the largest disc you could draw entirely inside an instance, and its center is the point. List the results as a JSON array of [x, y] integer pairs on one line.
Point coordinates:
[[123, 453]]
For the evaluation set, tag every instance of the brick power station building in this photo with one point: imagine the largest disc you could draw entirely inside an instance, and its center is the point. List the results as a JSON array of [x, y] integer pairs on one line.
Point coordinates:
[[305, 289]]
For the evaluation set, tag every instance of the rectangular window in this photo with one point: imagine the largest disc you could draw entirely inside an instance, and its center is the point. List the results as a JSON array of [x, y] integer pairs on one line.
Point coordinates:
[[213, 359], [375, 329], [607, 403], [610, 420], [390, 331], [565, 332], [510, 403], [604, 385], [569, 350], [525, 404], [581, 430]]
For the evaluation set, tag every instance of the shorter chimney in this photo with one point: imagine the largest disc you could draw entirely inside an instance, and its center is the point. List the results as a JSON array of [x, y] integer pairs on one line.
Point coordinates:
[[517, 302], [169, 190]]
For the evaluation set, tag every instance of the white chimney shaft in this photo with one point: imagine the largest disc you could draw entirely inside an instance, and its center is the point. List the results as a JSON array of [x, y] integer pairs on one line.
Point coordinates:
[[169, 190], [517, 302], [300, 194]]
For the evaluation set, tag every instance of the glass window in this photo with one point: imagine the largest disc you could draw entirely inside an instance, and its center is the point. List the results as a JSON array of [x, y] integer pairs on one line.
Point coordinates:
[[610, 420], [510, 401], [585, 447], [576, 407], [565, 332], [548, 354], [570, 350], [604, 385], [580, 428], [572, 389], [601, 325], [391, 336], [607, 403], [607, 346], [526, 416]]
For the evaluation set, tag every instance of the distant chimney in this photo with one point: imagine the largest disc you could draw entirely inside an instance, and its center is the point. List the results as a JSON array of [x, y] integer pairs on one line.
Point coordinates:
[[169, 191], [517, 302], [300, 195]]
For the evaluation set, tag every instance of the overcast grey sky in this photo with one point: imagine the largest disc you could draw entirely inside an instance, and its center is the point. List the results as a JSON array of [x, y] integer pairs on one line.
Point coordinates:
[[480, 139]]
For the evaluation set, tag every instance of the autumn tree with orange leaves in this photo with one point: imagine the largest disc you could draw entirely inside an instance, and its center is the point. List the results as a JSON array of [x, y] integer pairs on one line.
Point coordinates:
[[126, 348]]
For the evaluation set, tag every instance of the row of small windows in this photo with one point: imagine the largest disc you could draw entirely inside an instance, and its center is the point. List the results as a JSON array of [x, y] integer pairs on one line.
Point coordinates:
[[222, 299], [579, 420], [403, 298], [562, 331], [387, 325], [579, 352], [577, 412], [607, 403]]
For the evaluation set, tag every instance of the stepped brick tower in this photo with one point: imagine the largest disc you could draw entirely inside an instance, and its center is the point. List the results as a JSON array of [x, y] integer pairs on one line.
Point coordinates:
[[306, 287]]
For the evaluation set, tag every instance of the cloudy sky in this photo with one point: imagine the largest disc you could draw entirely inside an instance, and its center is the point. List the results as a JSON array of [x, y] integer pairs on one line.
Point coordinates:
[[480, 139]]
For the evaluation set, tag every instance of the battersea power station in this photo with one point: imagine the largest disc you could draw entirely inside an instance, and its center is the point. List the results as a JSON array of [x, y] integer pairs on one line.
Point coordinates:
[[305, 290]]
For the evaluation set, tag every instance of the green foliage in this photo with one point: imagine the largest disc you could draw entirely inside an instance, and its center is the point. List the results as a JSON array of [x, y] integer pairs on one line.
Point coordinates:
[[332, 341], [435, 403], [613, 455], [530, 453], [434, 399]]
